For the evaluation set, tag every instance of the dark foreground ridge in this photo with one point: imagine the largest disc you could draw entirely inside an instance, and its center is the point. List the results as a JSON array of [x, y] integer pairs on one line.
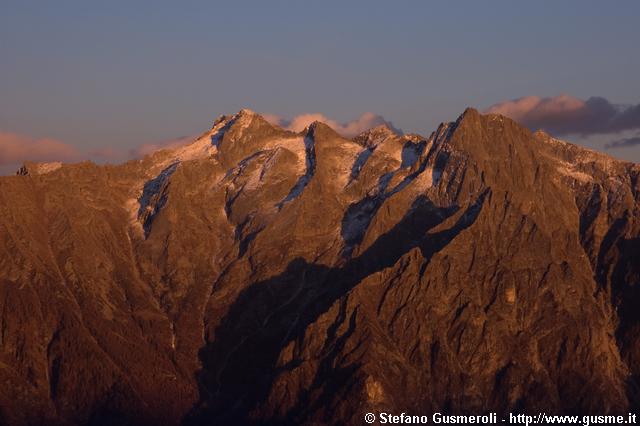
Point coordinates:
[[260, 276]]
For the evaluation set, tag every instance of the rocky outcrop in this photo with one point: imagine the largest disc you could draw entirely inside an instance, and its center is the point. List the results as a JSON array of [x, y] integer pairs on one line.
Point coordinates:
[[264, 276]]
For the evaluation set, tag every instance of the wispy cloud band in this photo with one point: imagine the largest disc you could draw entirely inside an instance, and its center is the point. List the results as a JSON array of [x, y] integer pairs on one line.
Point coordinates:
[[624, 143]]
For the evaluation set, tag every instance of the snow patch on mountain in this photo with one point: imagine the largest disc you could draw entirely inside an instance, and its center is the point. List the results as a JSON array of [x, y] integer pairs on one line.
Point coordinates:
[[568, 169], [411, 152], [361, 160], [154, 197], [38, 168], [296, 145], [132, 206], [356, 221], [206, 145], [44, 168], [303, 181]]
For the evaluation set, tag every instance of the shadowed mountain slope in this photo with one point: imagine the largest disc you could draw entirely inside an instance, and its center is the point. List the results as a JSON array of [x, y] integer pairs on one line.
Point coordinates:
[[261, 276]]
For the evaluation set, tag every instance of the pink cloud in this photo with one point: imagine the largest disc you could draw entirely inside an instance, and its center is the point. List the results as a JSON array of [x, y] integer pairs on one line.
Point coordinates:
[[349, 129], [119, 154], [566, 114], [15, 149], [537, 108], [149, 148]]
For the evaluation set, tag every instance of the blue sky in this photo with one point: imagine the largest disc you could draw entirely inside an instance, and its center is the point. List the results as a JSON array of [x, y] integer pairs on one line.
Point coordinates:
[[120, 74]]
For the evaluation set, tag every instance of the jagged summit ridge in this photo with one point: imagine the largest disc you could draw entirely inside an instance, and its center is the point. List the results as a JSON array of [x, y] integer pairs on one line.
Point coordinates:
[[332, 274]]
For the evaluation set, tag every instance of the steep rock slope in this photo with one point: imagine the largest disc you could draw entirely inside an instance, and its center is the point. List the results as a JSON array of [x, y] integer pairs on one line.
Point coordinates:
[[263, 276]]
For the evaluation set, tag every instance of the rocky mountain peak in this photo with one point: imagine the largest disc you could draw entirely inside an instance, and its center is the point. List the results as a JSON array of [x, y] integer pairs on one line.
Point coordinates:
[[383, 129], [376, 135], [318, 129], [482, 269]]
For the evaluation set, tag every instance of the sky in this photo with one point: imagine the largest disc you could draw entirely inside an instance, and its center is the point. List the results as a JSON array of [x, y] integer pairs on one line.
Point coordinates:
[[114, 80]]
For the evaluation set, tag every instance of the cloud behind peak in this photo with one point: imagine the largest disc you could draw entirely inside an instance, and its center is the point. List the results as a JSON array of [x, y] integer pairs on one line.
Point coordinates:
[[624, 143], [352, 128], [564, 114], [16, 148]]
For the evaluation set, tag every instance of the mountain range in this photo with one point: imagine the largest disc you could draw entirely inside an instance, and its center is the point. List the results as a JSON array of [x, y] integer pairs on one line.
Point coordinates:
[[263, 276]]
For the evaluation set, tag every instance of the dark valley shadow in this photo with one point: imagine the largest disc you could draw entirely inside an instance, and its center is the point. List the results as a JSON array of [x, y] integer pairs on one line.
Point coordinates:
[[240, 364]]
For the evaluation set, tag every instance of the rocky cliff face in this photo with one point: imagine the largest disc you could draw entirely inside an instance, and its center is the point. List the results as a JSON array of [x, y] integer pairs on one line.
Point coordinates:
[[264, 276]]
